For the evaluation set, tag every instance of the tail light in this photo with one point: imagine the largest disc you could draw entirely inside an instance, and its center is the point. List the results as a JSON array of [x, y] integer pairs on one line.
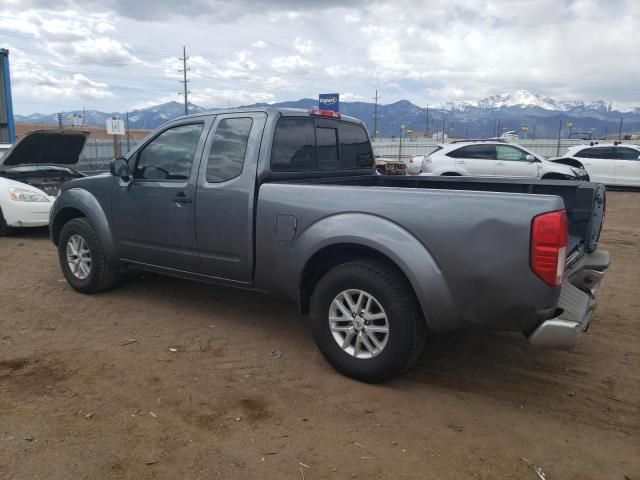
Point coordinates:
[[324, 113], [549, 246]]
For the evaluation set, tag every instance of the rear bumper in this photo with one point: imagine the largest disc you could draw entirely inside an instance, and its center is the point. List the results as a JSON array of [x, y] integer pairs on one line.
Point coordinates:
[[576, 305]]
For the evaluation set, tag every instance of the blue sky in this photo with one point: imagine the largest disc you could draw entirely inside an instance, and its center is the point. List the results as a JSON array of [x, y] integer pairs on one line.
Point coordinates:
[[114, 55]]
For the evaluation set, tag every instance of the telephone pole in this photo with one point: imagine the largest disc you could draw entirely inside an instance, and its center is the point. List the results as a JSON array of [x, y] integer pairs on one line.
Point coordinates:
[[426, 130], [620, 131], [185, 80], [375, 116]]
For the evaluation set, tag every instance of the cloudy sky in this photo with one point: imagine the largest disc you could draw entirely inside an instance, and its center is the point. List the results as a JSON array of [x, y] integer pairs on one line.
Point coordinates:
[[114, 55]]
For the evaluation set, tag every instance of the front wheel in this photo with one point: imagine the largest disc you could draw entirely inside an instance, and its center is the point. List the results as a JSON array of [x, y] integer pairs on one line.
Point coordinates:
[[82, 258], [366, 321]]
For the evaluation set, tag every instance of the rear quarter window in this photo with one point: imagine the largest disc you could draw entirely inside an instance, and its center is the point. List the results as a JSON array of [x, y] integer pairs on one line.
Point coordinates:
[[307, 144]]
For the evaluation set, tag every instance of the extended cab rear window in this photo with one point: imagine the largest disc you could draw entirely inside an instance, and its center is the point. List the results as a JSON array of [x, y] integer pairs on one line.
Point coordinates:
[[302, 143]]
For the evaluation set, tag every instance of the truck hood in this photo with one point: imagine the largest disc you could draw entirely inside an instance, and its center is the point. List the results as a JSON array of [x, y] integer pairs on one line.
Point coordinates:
[[46, 147]]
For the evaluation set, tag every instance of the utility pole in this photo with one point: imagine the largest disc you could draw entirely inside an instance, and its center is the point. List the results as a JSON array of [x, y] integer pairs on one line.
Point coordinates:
[[185, 80], [375, 116], [559, 133], [401, 137], [443, 128], [128, 136], [620, 131], [467, 136], [426, 130]]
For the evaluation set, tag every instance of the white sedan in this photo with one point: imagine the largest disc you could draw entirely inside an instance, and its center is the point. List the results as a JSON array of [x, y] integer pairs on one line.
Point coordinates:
[[22, 205], [31, 173]]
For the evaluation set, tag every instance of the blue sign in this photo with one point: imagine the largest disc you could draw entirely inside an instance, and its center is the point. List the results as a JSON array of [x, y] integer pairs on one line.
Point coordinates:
[[7, 127], [329, 101]]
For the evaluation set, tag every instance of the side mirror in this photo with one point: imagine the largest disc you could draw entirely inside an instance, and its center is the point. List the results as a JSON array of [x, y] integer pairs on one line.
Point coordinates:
[[120, 168], [638, 157], [530, 158]]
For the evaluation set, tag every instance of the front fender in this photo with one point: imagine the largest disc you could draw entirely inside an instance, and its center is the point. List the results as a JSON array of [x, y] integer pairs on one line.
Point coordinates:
[[389, 239], [81, 200]]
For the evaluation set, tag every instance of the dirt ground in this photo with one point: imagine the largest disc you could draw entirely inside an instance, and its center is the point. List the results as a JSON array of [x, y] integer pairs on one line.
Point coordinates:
[[91, 387]]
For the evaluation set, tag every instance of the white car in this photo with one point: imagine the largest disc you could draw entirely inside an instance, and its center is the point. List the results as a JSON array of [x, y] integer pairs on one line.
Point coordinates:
[[495, 158], [608, 163], [31, 173]]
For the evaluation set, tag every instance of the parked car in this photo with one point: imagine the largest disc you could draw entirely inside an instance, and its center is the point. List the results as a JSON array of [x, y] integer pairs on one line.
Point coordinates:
[[388, 166], [414, 165], [608, 163], [288, 202], [31, 172], [495, 158]]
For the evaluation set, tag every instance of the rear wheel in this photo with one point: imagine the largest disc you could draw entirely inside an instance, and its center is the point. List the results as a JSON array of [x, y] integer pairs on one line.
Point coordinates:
[[366, 321], [82, 258]]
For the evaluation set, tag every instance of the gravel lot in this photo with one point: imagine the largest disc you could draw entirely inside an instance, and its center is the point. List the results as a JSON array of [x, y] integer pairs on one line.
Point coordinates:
[[90, 386]]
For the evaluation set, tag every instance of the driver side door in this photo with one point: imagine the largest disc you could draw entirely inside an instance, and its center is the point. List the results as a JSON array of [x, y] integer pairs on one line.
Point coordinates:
[[154, 213]]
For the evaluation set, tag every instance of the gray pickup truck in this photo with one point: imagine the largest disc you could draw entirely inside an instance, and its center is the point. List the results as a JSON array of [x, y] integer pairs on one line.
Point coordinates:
[[288, 202]]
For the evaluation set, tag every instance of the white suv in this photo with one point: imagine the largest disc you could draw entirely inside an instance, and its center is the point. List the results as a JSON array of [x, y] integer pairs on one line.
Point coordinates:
[[494, 158], [609, 163]]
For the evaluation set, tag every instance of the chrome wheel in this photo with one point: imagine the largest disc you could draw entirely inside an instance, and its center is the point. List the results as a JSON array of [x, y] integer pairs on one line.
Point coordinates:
[[358, 323], [78, 257]]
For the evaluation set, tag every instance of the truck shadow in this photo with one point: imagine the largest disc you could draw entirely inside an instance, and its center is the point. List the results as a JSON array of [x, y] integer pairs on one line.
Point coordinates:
[[482, 362]]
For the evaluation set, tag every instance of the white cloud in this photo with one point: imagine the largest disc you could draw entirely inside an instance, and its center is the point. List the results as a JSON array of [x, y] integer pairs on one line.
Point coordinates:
[[259, 44], [210, 98], [351, 97], [292, 64], [31, 80], [305, 47], [98, 51]]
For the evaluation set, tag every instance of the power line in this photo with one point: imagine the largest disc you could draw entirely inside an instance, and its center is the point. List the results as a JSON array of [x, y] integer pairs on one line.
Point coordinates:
[[185, 80]]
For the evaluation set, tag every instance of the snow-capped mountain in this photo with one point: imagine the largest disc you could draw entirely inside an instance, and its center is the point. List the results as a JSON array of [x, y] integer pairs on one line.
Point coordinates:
[[474, 118], [523, 99]]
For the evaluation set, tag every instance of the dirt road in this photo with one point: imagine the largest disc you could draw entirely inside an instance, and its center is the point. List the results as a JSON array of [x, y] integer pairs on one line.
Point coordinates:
[[164, 378]]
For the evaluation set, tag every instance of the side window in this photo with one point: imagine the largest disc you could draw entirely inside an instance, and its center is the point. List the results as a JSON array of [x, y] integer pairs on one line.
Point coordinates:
[[327, 139], [228, 148], [480, 152], [509, 153], [299, 145], [294, 145], [170, 155], [584, 153], [606, 153], [355, 148], [625, 153]]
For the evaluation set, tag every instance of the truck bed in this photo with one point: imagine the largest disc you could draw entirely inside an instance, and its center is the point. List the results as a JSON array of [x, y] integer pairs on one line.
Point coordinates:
[[584, 201]]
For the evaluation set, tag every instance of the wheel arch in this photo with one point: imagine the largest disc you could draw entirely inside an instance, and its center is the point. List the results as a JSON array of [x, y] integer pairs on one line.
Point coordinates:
[[76, 203], [344, 237]]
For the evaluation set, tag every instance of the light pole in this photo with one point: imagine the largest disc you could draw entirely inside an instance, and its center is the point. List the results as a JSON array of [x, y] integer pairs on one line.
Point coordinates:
[[401, 137]]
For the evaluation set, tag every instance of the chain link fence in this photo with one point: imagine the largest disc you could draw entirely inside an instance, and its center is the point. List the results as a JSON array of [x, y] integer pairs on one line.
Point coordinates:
[[97, 154]]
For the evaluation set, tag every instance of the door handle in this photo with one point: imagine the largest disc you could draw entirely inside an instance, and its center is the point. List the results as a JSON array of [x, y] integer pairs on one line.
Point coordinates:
[[500, 164], [182, 198], [461, 162]]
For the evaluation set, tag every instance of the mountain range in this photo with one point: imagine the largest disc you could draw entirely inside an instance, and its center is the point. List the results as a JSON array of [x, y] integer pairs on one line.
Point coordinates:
[[481, 118]]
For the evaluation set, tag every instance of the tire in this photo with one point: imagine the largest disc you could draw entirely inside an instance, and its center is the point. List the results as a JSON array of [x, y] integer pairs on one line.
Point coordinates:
[[5, 230], [406, 327], [450, 174], [101, 275]]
